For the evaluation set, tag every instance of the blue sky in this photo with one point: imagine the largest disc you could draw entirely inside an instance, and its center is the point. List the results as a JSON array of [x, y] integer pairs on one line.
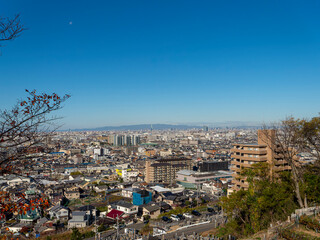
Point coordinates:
[[130, 62]]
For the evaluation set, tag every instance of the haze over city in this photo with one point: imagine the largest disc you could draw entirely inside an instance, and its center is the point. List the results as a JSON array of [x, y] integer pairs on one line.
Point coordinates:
[[175, 62]]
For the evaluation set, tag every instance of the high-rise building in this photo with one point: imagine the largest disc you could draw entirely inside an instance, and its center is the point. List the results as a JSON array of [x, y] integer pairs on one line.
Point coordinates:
[[245, 155], [124, 140], [163, 170], [135, 140]]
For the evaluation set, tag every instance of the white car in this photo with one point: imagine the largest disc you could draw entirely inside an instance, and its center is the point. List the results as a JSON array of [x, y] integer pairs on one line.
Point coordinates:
[[175, 217], [187, 215]]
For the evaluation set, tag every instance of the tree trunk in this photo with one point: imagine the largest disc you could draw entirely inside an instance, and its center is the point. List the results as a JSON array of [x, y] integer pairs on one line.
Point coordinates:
[[305, 201], [296, 185], [297, 191]]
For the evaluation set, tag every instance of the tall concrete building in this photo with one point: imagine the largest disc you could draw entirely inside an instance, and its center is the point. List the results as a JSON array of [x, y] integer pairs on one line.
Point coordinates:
[[124, 140], [163, 170], [244, 155]]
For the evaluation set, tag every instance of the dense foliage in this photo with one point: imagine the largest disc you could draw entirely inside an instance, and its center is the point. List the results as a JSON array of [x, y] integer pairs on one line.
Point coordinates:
[[293, 235], [263, 203], [310, 223], [266, 201], [273, 197]]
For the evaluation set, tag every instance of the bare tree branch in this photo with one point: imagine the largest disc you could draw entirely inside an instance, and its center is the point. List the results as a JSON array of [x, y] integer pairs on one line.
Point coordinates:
[[10, 28], [27, 125]]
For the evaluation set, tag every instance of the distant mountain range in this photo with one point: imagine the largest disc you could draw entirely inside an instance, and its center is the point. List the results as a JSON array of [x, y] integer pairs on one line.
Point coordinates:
[[240, 125], [139, 127]]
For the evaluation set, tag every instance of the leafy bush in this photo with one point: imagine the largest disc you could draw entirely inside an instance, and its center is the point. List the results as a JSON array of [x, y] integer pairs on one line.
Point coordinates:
[[263, 203], [75, 173], [88, 234], [102, 228], [292, 235], [146, 229], [310, 223], [76, 235]]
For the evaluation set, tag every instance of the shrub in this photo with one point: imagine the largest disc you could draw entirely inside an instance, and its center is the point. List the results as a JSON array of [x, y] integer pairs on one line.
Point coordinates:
[[310, 223]]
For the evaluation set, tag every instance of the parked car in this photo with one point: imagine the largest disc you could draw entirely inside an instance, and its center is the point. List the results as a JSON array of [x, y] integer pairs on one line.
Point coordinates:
[[166, 219], [175, 217], [187, 215], [180, 216], [196, 213]]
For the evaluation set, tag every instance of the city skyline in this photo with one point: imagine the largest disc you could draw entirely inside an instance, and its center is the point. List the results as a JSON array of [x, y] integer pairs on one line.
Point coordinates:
[[166, 62]]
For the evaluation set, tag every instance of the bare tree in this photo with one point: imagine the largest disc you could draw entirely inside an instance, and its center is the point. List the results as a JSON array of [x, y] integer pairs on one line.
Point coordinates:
[[10, 28], [22, 127], [310, 132], [25, 125], [285, 141]]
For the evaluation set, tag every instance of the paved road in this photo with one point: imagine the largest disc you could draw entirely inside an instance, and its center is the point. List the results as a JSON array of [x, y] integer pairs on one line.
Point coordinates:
[[104, 235], [187, 231]]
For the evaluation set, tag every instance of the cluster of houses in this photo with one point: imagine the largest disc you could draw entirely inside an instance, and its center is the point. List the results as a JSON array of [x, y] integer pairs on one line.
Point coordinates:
[[137, 201]]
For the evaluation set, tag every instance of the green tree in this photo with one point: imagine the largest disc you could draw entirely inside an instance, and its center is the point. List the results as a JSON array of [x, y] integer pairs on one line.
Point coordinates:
[[88, 234], [76, 235], [77, 173], [263, 203], [146, 229], [291, 137], [102, 228], [146, 217]]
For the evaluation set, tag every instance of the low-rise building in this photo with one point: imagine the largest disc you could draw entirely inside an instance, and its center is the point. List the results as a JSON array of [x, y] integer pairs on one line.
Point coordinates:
[[141, 197], [193, 179], [153, 210], [79, 220], [126, 207], [60, 212], [72, 195]]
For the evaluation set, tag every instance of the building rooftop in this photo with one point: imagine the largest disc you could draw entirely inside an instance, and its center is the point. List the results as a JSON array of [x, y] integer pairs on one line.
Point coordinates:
[[160, 189], [124, 204], [202, 174]]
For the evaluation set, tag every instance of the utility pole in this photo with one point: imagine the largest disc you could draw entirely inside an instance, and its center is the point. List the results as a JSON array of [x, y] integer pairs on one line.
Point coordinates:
[[95, 223], [197, 194], [117, 227]]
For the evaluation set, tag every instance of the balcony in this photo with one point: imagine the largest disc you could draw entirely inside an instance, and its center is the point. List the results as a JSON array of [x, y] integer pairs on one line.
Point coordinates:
[[236, 170], [247, 165], [244, 185], [246, 158], [236, 176], [282, 168], [236, 183], [234, 162], [280, 162], [246, 151]]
